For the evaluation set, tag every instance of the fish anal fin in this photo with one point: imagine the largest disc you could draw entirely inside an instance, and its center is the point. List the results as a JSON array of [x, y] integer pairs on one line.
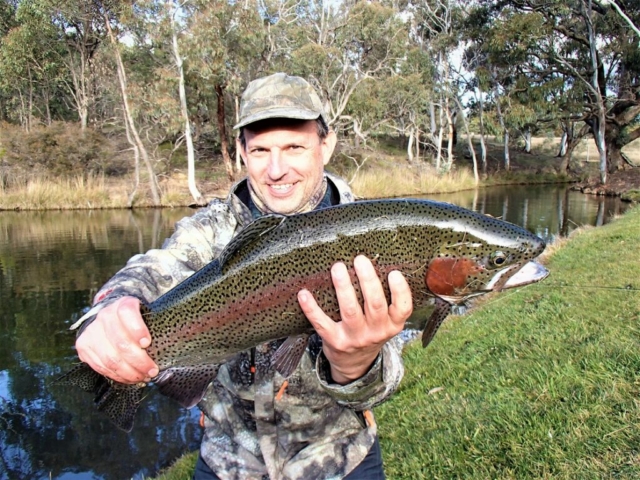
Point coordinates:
[[117, 400], [438, 316], [186, 385], [287, 357]]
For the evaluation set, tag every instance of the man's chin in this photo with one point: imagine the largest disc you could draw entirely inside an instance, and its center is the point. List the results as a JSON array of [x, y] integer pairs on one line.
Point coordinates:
[[282, 206]]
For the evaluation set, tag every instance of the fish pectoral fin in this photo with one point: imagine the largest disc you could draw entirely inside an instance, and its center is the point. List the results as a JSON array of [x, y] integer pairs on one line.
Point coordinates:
[[117, 400], [287, 357], [186, 385], [441, 312]]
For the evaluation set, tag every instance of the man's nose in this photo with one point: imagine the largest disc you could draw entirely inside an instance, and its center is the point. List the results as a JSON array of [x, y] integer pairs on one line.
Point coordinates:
[[277, 165]]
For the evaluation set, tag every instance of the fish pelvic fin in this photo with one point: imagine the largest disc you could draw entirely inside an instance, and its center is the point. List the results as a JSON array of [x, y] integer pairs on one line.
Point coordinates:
[[117, 400], [287, 357], [438, 316], [186, 385]]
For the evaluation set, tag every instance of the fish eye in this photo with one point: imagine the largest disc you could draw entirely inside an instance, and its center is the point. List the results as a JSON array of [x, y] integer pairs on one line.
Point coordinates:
[[498, 258]]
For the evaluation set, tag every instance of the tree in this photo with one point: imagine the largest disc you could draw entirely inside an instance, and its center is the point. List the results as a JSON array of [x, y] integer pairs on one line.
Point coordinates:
[[109, 14], [581, 44], [228, 41]]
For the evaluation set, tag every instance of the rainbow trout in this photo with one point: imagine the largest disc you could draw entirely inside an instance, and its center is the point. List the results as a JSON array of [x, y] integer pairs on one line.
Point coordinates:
[[248, 295]]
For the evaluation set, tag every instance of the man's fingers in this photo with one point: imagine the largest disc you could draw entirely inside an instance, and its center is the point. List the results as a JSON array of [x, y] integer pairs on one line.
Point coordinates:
[[320, 321], [350, 309], [129, 313], [401, 298], [106, 360], [375, 302], [113, 343]]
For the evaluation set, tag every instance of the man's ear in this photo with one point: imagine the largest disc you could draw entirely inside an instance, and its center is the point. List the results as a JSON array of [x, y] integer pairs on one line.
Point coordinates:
[[243, 152], [328, 146]]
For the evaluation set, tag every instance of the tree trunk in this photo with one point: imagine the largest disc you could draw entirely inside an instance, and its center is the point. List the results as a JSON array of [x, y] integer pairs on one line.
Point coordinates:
[[439, 139], [432, 120], [191, 163], [563, 144], [224, 144], [598, 124], [450, 135], [410, 146], [469, 140], [483, 144], [238, 156], [505, 134], [122, 79], [136, 159], [527, 140]]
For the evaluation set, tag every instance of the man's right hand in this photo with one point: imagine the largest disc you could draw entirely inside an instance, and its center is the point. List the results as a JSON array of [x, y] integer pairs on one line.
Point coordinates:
[[114, 343]]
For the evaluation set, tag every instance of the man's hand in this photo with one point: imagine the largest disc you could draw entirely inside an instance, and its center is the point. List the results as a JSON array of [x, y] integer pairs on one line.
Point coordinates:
[[114, 344], [352, 345]]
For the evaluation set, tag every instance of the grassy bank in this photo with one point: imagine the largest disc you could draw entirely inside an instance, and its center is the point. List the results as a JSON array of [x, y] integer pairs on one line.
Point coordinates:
[[538, 383], [541, 382], [378, 173], [97, 192]]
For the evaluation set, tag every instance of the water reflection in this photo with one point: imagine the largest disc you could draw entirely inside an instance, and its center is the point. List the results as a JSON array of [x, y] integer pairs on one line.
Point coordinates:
[[546, 210], [51, 265]]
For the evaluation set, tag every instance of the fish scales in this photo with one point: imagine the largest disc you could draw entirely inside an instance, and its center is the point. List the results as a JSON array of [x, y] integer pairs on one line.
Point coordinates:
[[249, 295]]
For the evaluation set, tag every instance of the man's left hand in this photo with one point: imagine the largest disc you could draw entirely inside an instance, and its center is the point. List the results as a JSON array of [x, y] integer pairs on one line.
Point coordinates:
[[352, 345]]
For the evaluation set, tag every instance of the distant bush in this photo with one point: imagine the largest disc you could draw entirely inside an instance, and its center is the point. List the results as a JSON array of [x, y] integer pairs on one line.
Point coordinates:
[[62, 150]]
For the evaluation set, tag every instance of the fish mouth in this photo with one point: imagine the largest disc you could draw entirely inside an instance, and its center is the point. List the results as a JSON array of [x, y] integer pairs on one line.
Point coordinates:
[[530, 272]]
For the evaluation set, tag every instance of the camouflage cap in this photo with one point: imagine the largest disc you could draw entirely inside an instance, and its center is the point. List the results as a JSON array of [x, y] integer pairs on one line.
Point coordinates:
[[279, 96]]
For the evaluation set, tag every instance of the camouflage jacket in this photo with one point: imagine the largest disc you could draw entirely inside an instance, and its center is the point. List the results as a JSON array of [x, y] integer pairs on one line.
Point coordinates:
[[256, 424]]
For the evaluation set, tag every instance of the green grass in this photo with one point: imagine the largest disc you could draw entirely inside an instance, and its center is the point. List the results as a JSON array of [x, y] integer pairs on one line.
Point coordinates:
[[538, 383], [542, 382]]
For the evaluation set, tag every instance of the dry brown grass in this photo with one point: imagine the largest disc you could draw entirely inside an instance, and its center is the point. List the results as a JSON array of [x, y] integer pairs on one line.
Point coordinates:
[[42, 192], [405, 180]]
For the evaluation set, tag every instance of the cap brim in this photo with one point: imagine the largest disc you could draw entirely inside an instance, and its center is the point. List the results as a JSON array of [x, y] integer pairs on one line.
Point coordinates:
[[295, 113]]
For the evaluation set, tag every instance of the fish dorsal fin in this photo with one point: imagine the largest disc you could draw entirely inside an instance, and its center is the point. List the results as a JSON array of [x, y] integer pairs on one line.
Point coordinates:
[[247, 236]]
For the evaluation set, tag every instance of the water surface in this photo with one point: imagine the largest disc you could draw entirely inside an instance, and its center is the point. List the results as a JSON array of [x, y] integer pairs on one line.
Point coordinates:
[[51, 265]]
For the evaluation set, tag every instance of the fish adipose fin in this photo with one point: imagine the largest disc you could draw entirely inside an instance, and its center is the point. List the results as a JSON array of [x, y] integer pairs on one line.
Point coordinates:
[[287, 357], [435, 320], [117, 400], [186, 385]]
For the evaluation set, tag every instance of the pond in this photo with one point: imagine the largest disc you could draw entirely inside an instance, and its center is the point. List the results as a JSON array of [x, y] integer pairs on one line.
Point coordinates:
[[51, 265]]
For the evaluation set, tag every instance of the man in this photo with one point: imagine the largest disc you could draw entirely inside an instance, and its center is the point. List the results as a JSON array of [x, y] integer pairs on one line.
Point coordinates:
[[317, 423]]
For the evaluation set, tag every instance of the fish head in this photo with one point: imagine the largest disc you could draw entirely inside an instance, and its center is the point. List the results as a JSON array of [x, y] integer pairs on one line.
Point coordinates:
[[481, 260]]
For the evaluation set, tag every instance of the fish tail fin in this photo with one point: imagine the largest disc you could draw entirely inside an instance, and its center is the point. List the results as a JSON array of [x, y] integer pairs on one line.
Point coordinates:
[[435, 320], [186, 385], [117, 400]]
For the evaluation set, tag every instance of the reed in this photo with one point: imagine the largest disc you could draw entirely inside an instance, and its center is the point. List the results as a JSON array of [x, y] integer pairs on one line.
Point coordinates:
[[405, 180], [43, 192]]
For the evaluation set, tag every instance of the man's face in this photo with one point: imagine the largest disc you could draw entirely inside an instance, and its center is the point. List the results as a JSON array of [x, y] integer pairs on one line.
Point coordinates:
[[286, 163]]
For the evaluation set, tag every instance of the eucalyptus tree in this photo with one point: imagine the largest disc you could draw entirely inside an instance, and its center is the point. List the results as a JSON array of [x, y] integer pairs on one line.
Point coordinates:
[[226, 46], [344, 48], [30, 64], [112, 14], [592, 49], [80, 31], [436, 29]]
